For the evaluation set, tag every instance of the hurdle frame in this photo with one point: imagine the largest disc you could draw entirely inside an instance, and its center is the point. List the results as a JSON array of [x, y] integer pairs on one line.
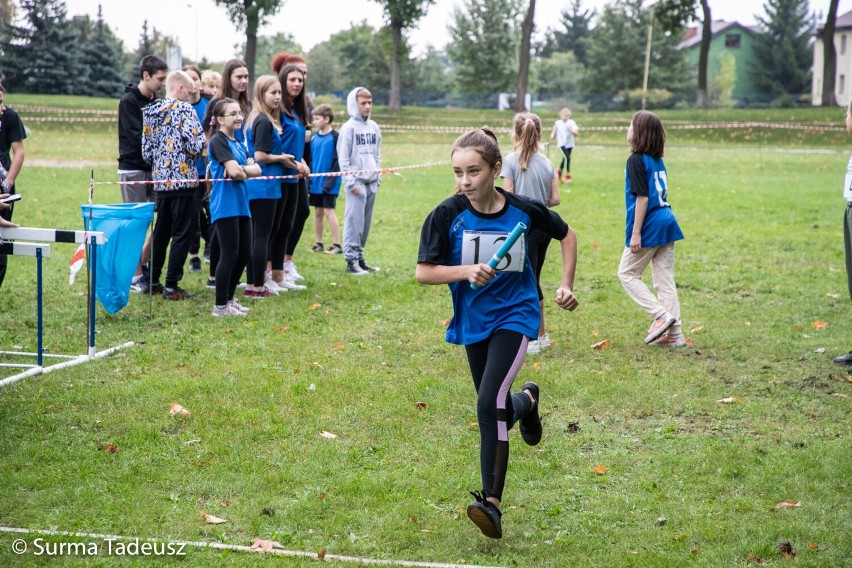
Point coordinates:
[[92, 239]]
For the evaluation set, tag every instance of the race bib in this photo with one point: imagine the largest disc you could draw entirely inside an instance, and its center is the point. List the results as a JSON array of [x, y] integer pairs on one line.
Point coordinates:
[[480, 246]]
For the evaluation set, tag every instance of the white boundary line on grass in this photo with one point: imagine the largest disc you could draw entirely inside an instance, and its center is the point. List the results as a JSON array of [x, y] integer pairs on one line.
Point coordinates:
[[241, 548]]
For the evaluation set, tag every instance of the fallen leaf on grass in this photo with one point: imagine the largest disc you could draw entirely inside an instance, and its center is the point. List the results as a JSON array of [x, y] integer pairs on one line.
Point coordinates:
[[783, 504], [595, 244], [328, 435], [210, 519], [472, 423], [326, 312], [697, 329], [600, 469], [445, 323], [594, 333], [281, 329], [833, 296], [110, 448], [754, 559], [314, 306], [601, 344], [420, 405], [321, 553], [813, 546], [839, 394], [339, 347], [818, 324], [747, 323], [178, 410], [315, 365], [730, 400], [819, 350], [536, 366], [265, 545]]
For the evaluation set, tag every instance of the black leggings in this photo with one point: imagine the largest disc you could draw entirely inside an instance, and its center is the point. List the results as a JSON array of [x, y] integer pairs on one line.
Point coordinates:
[[264, 213], [566, 159], [234, 236], [301, 214], [494, 364], [278, 245]]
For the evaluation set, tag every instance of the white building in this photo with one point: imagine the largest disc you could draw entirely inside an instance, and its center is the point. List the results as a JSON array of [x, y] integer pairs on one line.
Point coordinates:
[[843, 72]]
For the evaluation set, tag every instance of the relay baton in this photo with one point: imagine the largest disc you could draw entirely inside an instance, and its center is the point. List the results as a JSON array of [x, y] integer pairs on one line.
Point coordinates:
[[504, 248]]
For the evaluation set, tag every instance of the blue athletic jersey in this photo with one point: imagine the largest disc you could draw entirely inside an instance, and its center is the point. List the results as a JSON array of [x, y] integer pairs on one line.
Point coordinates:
[[262, 136], [227, 198], [646, 175], [292, 141], [510, 300], [323, 160]]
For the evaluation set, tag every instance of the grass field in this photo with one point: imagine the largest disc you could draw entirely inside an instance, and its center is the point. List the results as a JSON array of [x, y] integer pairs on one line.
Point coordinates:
[[764, 302]]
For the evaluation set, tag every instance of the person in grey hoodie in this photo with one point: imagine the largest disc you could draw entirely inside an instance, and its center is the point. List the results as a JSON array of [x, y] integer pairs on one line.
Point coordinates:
[[359, 152]]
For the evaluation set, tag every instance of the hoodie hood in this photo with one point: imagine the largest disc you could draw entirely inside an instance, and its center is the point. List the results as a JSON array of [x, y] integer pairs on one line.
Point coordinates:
[[352, 105]]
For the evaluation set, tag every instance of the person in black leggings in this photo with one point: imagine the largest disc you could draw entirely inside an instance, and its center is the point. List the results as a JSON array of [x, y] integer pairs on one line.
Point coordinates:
[[496, 320]]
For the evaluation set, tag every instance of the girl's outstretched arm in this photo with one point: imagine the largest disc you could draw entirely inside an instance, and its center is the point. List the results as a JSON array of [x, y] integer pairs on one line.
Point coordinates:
[[564, 295], [478, 274], [638, 221]]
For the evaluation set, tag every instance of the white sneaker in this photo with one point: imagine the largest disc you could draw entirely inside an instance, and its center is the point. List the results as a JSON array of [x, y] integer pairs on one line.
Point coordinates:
[[534, 347], [228, 310], [291, 272], [239, 307], [288, 284], [272, 287]]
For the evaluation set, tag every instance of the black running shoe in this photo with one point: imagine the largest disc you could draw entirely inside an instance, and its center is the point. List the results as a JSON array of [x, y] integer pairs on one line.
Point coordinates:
[[176, 293], [531, 423], [485, 515], [194, 264], [366, 267]]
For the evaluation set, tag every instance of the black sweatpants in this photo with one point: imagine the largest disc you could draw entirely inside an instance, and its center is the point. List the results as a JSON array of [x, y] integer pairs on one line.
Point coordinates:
[[176, 222], [494, 364], [301, 214], [278, 246], [6, 214], [566, 159], [234, 236], [264, 213]]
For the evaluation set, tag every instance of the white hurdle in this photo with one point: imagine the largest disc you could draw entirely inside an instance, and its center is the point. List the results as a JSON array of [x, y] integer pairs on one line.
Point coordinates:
[[92, 239]]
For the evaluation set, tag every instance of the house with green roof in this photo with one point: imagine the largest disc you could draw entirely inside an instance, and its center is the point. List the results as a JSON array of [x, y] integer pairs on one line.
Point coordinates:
[[729, 40]]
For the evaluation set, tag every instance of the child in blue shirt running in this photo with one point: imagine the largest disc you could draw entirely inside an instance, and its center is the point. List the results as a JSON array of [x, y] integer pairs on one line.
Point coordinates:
[[495, 322]]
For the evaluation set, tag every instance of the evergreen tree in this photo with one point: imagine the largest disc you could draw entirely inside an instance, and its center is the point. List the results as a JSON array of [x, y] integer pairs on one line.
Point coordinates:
[[782, 50], [41, 54], [484, 41], [101, 61], [576, 27], [617, 54]]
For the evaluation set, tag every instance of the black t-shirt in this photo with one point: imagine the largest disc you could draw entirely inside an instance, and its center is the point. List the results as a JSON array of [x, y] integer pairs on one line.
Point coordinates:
[[11, 130], [637, 174], [262, 131]]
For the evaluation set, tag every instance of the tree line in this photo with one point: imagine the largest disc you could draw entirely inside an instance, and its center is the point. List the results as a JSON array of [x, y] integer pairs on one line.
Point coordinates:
[[493, 48]]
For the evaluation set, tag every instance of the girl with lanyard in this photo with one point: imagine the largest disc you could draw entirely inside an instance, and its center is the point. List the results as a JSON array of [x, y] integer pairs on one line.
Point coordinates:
[[495, 322], [229, 205], [294, 118]]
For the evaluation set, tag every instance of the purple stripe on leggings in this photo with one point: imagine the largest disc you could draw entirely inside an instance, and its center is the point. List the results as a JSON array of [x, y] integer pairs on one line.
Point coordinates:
[[502, 431]]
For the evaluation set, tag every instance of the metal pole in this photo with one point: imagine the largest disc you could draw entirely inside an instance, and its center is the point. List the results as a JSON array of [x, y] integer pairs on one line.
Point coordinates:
[[94, 256], [647, 62], [39, 309]]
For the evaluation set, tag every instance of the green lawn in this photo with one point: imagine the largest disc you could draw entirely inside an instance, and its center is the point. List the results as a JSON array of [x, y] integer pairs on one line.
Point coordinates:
[[759, 273]]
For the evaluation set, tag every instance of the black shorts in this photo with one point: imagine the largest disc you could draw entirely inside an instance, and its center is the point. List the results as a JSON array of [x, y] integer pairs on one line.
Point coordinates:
[[324, 200]]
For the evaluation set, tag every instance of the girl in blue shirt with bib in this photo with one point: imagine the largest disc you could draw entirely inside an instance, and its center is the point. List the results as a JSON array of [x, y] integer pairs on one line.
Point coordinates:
[[495, 322], [651, 231]]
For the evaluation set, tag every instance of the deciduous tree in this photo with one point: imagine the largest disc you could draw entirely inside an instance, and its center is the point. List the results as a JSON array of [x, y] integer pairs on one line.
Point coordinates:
[[250, 14], [400, 16], [673, 15]]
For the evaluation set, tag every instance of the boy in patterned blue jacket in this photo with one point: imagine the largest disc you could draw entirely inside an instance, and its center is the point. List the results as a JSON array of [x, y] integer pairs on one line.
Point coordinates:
[[172, 139]]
